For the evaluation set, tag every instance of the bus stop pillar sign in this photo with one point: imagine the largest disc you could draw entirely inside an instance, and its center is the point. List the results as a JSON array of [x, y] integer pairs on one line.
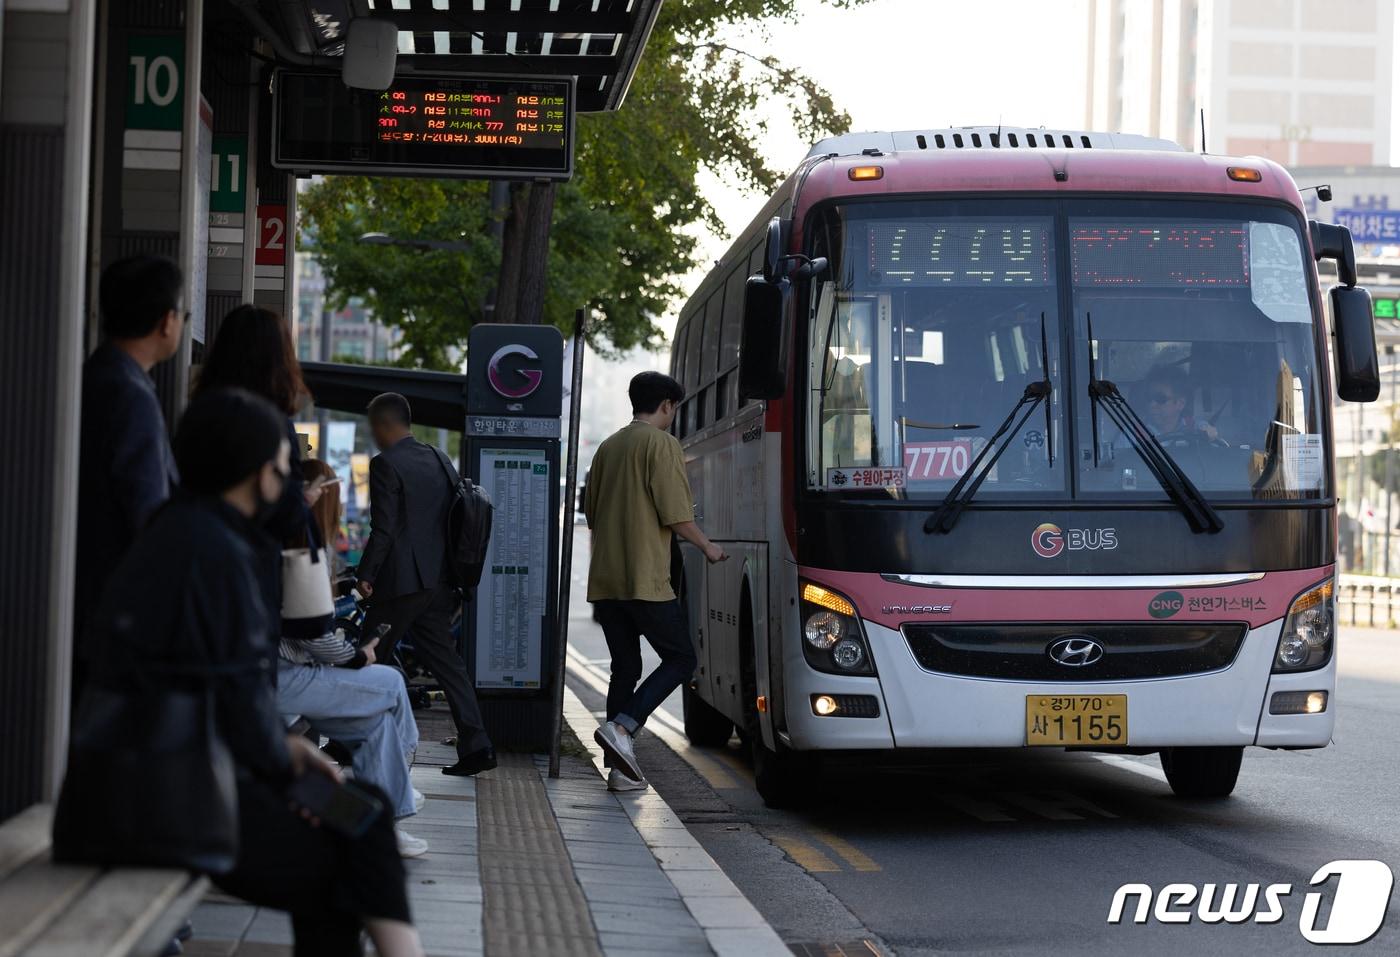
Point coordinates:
[[514, 402]]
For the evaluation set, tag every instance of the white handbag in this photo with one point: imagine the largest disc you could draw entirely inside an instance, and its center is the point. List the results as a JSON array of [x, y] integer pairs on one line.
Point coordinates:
[[306, 584]]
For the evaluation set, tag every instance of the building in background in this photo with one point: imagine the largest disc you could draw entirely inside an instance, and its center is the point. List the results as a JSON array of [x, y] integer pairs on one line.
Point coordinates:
[[355, 335], [1302, 82]]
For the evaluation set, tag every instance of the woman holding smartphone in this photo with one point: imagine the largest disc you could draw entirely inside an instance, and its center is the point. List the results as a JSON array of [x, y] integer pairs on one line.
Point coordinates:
[[340, 689]]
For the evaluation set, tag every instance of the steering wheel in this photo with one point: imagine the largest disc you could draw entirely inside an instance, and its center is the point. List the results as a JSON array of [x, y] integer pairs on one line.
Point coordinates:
[[1195, 438]]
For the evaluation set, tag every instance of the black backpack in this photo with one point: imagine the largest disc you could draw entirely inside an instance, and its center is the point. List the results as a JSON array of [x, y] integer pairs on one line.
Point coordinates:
[[468, 527]]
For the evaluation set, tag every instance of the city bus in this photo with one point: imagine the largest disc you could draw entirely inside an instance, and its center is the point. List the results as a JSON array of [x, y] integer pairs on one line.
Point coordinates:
[[1018, 438]]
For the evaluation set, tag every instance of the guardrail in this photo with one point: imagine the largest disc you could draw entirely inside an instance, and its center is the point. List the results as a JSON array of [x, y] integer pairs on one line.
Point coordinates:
[[1369, 600]]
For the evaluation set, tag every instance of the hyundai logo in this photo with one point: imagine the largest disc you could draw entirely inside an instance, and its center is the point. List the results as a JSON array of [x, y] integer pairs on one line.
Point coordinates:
[[1075, 651]]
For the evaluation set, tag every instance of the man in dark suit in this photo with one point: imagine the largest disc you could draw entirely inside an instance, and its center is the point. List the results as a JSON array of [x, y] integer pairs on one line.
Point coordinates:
[[404, 569], [125, 467]]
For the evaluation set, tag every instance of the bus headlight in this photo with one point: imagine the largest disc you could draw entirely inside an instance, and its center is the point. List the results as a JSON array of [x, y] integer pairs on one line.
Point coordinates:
[[824, 629], [832, 637], [848, 654], [1308, 631]]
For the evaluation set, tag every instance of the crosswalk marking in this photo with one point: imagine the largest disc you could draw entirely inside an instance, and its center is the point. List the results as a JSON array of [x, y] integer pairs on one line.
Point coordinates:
[[1055, 805], [1128, 764], [983, 811]]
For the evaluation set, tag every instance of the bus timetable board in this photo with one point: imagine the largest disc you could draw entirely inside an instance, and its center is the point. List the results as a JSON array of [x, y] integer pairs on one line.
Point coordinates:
[[489, 127]]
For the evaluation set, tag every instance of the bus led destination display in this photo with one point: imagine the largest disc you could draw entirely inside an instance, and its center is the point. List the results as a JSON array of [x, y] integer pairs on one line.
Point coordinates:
[[966, 253], [435, 124]]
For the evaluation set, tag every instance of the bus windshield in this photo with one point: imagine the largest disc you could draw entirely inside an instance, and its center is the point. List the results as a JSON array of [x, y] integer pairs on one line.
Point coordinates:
[[936, 318]]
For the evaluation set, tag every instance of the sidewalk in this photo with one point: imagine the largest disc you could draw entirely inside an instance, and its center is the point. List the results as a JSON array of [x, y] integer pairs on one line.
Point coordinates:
[[523, 865]]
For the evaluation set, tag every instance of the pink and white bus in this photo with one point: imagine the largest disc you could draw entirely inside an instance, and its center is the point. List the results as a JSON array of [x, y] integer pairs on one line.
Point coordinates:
[[1017, 439]]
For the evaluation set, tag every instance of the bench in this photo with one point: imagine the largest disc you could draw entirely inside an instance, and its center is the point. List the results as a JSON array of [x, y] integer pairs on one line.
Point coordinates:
[[67, 910]]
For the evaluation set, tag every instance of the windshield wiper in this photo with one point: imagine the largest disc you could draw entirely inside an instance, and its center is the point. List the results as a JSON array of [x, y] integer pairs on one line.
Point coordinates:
[[943, 520], [1178, 485]]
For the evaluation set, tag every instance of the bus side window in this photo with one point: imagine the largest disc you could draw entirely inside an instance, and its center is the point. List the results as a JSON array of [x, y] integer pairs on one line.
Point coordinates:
[[721, 395], [696, 328], [679, 350], [756, 260], [709, 342], [733, 317]]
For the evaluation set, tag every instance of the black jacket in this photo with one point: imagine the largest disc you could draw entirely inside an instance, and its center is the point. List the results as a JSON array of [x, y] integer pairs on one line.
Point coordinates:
[[125, 467], [409, 497], [189, 595]]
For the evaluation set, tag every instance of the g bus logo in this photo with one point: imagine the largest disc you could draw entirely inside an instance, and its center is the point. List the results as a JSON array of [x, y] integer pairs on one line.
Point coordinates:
[[1049, 540], [1166, 604], [531, 378]]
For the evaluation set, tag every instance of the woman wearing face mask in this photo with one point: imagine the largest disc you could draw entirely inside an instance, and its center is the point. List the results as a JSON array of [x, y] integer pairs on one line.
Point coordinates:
[[182, 630]]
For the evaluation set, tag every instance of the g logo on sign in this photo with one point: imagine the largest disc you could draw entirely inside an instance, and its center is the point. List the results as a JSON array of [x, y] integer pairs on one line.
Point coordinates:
[[1047, 540], [530, 378]]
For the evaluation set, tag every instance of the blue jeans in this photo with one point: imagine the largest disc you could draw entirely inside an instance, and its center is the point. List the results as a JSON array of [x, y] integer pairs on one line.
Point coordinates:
[[366, 709], [624, 624]]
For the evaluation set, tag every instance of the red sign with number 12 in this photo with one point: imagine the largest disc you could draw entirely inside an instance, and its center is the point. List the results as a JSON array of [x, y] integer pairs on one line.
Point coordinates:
[[272, 236]]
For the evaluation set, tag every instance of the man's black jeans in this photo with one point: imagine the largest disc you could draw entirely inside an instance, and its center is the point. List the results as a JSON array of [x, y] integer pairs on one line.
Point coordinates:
[[624, 623]]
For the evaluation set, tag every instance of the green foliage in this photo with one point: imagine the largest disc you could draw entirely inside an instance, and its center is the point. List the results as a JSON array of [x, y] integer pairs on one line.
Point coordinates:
[[619, 243]]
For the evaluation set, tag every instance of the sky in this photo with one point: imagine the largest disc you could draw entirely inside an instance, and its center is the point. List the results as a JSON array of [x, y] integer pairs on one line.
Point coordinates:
[[892, 65]]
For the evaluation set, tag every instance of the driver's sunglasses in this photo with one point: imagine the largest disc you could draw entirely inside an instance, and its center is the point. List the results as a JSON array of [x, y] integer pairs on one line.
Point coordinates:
[[1162, 398]]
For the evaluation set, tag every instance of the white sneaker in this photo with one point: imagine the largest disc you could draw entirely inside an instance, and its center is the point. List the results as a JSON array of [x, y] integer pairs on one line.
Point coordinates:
[[617, 781], [617, 744], [418, 800], [410, 846]]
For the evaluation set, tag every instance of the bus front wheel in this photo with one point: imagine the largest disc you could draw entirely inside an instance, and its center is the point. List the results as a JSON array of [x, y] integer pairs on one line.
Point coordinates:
[[705, 726], [1202, 772], [783, 778]]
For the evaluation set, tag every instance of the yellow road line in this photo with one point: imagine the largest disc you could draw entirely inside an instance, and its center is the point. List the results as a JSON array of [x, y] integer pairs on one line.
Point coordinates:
[[851, 854], [735, 763], [810, 859], [714, 773]]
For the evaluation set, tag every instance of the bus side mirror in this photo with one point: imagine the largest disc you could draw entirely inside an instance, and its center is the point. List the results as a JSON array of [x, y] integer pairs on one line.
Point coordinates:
[[1334, 242], [1358, 369], [762, 339]]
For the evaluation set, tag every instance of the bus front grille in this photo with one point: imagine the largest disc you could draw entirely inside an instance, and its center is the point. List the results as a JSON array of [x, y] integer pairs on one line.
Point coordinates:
[[1124, 650]]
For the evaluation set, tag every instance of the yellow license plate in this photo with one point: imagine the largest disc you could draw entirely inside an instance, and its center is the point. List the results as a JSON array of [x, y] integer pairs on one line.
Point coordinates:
[[1076, 719]]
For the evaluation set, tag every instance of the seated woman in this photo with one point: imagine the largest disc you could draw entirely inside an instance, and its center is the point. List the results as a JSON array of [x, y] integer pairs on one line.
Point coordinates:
[[339, 689], [183, 621]]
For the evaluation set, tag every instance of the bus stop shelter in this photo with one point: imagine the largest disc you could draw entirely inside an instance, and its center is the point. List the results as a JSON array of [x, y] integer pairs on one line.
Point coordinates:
[[146, 127]]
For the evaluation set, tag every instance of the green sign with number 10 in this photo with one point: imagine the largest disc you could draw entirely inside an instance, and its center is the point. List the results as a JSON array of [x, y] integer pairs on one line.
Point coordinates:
[[155, 77]]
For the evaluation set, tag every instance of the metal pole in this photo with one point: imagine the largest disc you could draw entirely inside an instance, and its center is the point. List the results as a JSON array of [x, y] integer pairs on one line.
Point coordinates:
[[1389, 458], [566, 545], [1364, 557], [323, 417]]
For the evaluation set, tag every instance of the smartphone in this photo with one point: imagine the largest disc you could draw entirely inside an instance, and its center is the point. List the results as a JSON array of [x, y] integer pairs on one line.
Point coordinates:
[[342, 807]]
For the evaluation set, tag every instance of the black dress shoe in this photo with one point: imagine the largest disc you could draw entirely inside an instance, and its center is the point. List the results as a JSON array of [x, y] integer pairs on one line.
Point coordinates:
[[474, 763]]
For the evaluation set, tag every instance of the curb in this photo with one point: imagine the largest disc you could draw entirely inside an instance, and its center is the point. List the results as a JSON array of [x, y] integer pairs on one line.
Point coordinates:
[[732, 925]]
